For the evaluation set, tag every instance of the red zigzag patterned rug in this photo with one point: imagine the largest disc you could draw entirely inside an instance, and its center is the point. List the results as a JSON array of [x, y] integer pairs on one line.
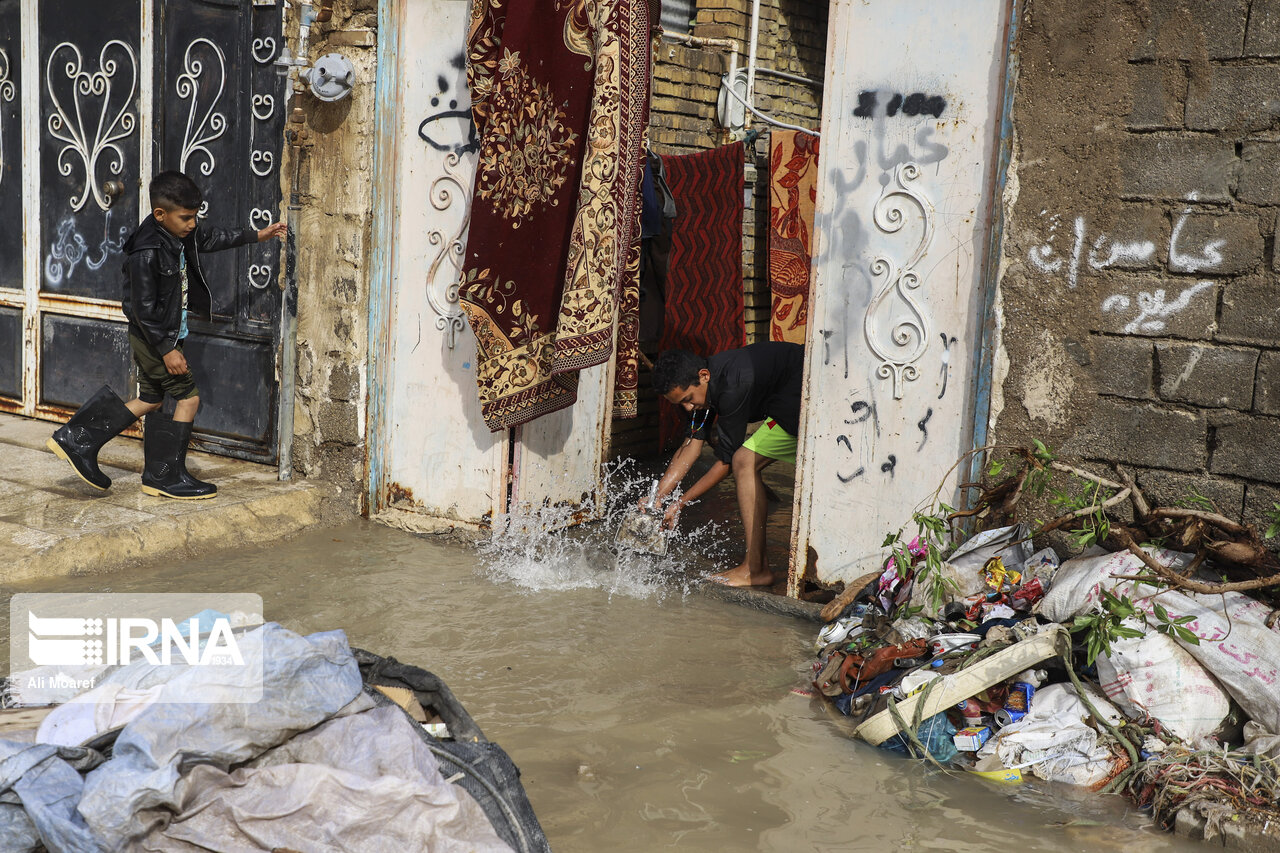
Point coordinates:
[[704, 299]]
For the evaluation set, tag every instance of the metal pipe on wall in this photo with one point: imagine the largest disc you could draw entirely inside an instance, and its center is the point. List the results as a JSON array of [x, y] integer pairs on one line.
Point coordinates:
[[700, 41], [751, 60], [288, 340]]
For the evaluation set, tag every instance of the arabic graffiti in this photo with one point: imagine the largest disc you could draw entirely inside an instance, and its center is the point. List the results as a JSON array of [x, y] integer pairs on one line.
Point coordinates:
[[1153, 311], [1099, 252], [71, 248]]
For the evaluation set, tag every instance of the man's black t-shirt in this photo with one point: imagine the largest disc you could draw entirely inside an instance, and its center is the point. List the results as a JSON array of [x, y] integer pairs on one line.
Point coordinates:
[[750, 384]]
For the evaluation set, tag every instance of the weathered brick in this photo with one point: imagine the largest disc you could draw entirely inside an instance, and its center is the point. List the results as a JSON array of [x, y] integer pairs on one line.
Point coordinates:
[[1233, 97], [1248, 448], [1250, 312], [1165, 488], [1266, 394], [1169, 167], [1260, 173], [1173, 307], [1135, 237], [1141, 434], [337, 422], [1263, 36], [1212, 376], [1259, 508], [1190, 29], [1123, 367], [1159, 92], [1215, 243]]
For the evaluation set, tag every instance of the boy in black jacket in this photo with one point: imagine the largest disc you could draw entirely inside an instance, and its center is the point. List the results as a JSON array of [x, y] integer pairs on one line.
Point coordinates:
[[163, 282]]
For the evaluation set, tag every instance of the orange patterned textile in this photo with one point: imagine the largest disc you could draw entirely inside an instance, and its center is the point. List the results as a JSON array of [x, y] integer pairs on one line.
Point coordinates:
[[560, 93], [793, 189]]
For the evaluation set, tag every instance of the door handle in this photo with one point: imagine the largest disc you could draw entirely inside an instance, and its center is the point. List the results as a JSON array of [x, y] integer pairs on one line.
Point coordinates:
[[112, 189]]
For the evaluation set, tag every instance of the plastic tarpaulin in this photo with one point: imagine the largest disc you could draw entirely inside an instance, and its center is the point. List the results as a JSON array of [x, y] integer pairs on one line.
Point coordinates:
[[173, 761]]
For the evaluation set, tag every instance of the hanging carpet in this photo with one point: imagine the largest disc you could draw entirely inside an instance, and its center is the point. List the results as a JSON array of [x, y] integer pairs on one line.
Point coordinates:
[[559, 94], [704, 299], [793, 189]]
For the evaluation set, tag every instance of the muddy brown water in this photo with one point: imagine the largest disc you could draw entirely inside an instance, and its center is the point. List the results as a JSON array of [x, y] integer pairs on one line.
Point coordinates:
[[642, 718]]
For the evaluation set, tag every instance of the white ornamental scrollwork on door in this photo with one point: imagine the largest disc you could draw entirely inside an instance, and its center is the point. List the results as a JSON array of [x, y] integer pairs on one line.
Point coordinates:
[[443, 296], [95, 140], [211, 125], [6, 97], [896, 326]]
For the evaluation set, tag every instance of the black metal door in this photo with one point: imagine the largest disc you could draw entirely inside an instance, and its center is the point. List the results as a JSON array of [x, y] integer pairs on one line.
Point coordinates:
[[90, 167], [213, 107], [12, 297], [222, 123]]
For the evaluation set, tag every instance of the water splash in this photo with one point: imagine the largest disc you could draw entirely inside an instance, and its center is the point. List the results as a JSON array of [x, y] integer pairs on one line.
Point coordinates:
[[542, 548]]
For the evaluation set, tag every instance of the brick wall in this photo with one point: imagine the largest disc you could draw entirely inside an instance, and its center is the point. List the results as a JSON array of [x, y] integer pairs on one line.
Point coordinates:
[[1139, 295], [686, 83]]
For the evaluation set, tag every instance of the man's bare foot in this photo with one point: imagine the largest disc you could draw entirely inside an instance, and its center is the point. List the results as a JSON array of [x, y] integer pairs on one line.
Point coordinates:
[[741, 576]]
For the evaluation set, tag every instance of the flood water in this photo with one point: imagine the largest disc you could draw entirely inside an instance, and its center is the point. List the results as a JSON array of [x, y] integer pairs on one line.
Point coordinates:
[[642, 718]]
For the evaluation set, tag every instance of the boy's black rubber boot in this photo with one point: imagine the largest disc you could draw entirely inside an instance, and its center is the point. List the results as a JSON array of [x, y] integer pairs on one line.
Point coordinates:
[[164, 446], [78, 441]]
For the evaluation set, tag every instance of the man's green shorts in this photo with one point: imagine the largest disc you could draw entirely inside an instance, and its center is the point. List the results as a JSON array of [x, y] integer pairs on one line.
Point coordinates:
[[154, 379], [772, 441]]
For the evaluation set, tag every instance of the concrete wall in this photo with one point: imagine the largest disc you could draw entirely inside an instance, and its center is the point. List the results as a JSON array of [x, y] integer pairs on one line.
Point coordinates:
[[682, 120], [1138, 301], [334, 251]]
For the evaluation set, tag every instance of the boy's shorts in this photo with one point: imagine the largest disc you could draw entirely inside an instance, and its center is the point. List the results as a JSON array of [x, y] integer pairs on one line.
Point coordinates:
[[154, 379], [772, 441]]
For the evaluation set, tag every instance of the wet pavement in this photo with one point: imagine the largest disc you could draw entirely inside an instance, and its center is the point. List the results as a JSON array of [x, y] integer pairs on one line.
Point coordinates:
[[52, 523], [642, 719]]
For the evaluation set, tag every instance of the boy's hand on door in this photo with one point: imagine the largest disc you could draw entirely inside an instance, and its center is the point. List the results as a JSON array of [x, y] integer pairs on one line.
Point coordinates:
[[277, 229]]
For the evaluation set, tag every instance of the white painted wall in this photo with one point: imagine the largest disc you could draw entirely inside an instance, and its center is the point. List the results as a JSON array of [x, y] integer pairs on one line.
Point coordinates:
[[559, 456], [900, 239], [438, 447]]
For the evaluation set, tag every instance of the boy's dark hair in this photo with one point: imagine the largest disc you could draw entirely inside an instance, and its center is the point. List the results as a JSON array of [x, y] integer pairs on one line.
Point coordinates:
[[174, 190], [676, 368]]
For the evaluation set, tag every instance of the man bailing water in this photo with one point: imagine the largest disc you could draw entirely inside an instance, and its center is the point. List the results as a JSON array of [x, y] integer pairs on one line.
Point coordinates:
[[729, 390]]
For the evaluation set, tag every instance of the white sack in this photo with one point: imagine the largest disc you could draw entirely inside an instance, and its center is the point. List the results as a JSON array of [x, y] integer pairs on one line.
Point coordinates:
[[1238, 648], [1153, 676], [1053, 740]]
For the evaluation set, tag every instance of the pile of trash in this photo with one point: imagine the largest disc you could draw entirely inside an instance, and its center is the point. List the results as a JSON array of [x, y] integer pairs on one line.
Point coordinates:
[[1178, 706], [342, 750]]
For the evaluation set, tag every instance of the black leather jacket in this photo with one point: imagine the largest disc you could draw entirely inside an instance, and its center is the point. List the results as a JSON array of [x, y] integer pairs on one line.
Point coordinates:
[[152, 286]]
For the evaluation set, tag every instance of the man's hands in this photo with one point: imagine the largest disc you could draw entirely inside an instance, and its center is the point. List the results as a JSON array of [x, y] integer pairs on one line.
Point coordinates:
[[277, 229], [672, 515], [175, 362]]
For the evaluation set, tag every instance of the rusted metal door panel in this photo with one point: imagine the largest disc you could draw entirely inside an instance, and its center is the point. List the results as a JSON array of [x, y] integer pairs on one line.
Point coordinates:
[[909, 131], [79, 355], [10, 351], [237, 389]]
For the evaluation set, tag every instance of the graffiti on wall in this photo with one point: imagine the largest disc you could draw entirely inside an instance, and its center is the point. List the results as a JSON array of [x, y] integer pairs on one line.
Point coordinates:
[[1149, 311], [910, 106], [450, 129]]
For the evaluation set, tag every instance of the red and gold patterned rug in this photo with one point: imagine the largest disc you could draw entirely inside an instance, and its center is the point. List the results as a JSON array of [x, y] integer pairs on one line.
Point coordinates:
[[704, 305], [793, 189], [559, 94]]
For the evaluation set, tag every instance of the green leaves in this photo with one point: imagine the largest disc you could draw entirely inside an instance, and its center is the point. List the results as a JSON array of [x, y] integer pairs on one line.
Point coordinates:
[[1273, 516], [1106, 624], [1174, 627]]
